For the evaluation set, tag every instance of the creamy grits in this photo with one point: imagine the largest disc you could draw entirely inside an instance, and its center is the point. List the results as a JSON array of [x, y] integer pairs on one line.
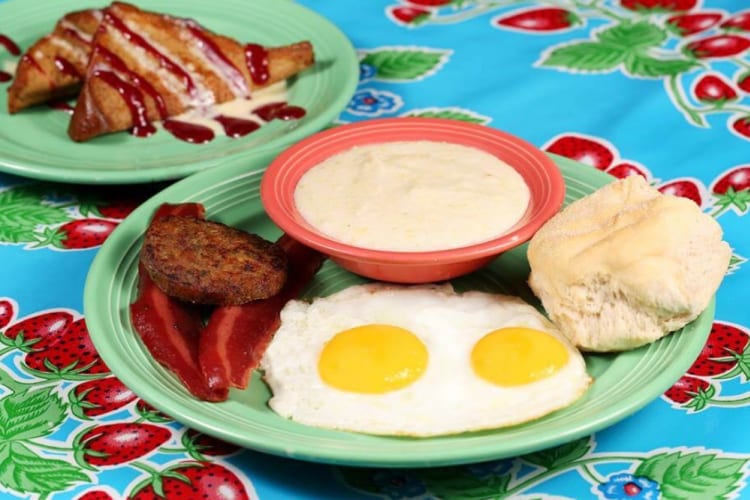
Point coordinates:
[[412, 196]]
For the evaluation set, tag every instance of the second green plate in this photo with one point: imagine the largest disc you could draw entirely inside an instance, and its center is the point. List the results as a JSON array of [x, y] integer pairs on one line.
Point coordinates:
[[34, 142]]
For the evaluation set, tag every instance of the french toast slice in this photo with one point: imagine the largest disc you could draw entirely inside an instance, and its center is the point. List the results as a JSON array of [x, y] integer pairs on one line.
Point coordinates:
[[146, 67], [53, 67]]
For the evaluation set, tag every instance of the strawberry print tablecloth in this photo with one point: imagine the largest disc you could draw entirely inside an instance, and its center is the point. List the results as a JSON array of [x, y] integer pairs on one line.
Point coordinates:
[[658, 88]]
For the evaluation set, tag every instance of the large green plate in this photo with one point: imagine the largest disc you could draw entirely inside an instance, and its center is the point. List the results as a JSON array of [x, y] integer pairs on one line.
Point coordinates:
[[34, 142], [623, 382]]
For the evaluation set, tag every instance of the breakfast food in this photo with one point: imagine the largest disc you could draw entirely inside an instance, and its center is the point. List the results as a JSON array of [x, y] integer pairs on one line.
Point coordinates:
[[210, 359], [235, 337], [412, 196], [207, 262], [52, 68], [418, 360], [169, 328], [626, 265], [134, 67], [147, 66]]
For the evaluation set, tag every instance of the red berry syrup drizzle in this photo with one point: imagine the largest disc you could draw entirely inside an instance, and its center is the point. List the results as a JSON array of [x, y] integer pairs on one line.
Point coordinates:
[[71, 33], [256, 58], [14, 50], [279, 111], [61, 106], [236, 127], [66, 67], [134, 100]]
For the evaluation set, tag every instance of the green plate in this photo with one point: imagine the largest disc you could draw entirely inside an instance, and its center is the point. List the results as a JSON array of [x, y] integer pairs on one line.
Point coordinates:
[[623, 382], [35, 143]]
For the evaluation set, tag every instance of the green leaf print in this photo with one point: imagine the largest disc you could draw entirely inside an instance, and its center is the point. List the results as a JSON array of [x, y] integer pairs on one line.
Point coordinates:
[[449, 483], [22, 211], [406, 64], [735, 261], [730, 198], [29, 414], [693, 475], [22, 470], [651, 67], [560, 455], [586, 56], [633, 35], [625, 44], [450, 113]]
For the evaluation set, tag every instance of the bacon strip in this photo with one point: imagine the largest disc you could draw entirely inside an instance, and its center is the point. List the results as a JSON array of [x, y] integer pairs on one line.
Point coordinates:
[[171, 329], [233, 342], [183, 209]]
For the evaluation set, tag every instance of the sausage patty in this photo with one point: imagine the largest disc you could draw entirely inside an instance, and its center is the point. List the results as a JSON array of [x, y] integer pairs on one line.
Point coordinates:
[[207, 262]]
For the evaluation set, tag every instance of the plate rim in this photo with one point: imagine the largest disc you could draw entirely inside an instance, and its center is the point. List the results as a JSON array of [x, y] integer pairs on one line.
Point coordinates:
[[345, 53], [628, 405]]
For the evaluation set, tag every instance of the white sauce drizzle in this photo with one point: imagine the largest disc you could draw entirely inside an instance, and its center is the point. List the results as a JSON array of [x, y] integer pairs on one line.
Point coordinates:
[[237, 108], [81, 55], [10, 66], [81, 34]]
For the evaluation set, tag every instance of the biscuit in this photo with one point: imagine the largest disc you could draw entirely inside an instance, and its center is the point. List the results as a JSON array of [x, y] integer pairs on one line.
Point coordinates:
[[626, 265]]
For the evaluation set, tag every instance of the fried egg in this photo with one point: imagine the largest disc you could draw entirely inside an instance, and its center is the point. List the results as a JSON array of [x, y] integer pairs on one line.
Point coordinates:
[[419, 360]]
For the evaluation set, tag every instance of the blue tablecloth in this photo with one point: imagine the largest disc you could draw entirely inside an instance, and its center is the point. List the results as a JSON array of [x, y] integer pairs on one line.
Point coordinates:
[[626, 86]]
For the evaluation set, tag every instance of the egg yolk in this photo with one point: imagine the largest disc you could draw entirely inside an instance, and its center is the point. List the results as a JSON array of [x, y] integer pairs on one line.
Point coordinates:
[[517, 355], [372, 359]]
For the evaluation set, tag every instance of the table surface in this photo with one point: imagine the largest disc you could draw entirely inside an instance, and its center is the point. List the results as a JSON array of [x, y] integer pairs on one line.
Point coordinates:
[[601, 81]]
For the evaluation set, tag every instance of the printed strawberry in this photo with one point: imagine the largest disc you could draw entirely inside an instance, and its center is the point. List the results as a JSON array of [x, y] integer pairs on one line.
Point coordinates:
[[199, 445], [742, 126], [737, 179], [210, 481], [583, 149], [717, 46], [117, 443], [694, 22], [732, 189], [659, 5], [712, 88], [625, 169], [77, 234], [738, 22], [118, 209], [7, 312], [691, 393], [726, 353], [98, 397], [114, 202], [539, 19], [71, 357], [40, 331], [743, 82], [685, 188], [83, 233], [95, 495], [430, 3], [410, 16]]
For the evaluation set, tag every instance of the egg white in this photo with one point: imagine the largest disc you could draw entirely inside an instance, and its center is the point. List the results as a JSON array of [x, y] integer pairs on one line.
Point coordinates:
[[448, 398]]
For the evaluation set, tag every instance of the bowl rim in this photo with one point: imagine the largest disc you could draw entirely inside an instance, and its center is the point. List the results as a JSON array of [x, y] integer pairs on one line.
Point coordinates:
[[306, 234]]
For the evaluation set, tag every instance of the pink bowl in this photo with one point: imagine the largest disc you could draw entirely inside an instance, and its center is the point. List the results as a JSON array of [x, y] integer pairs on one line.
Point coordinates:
[[545, 183]]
